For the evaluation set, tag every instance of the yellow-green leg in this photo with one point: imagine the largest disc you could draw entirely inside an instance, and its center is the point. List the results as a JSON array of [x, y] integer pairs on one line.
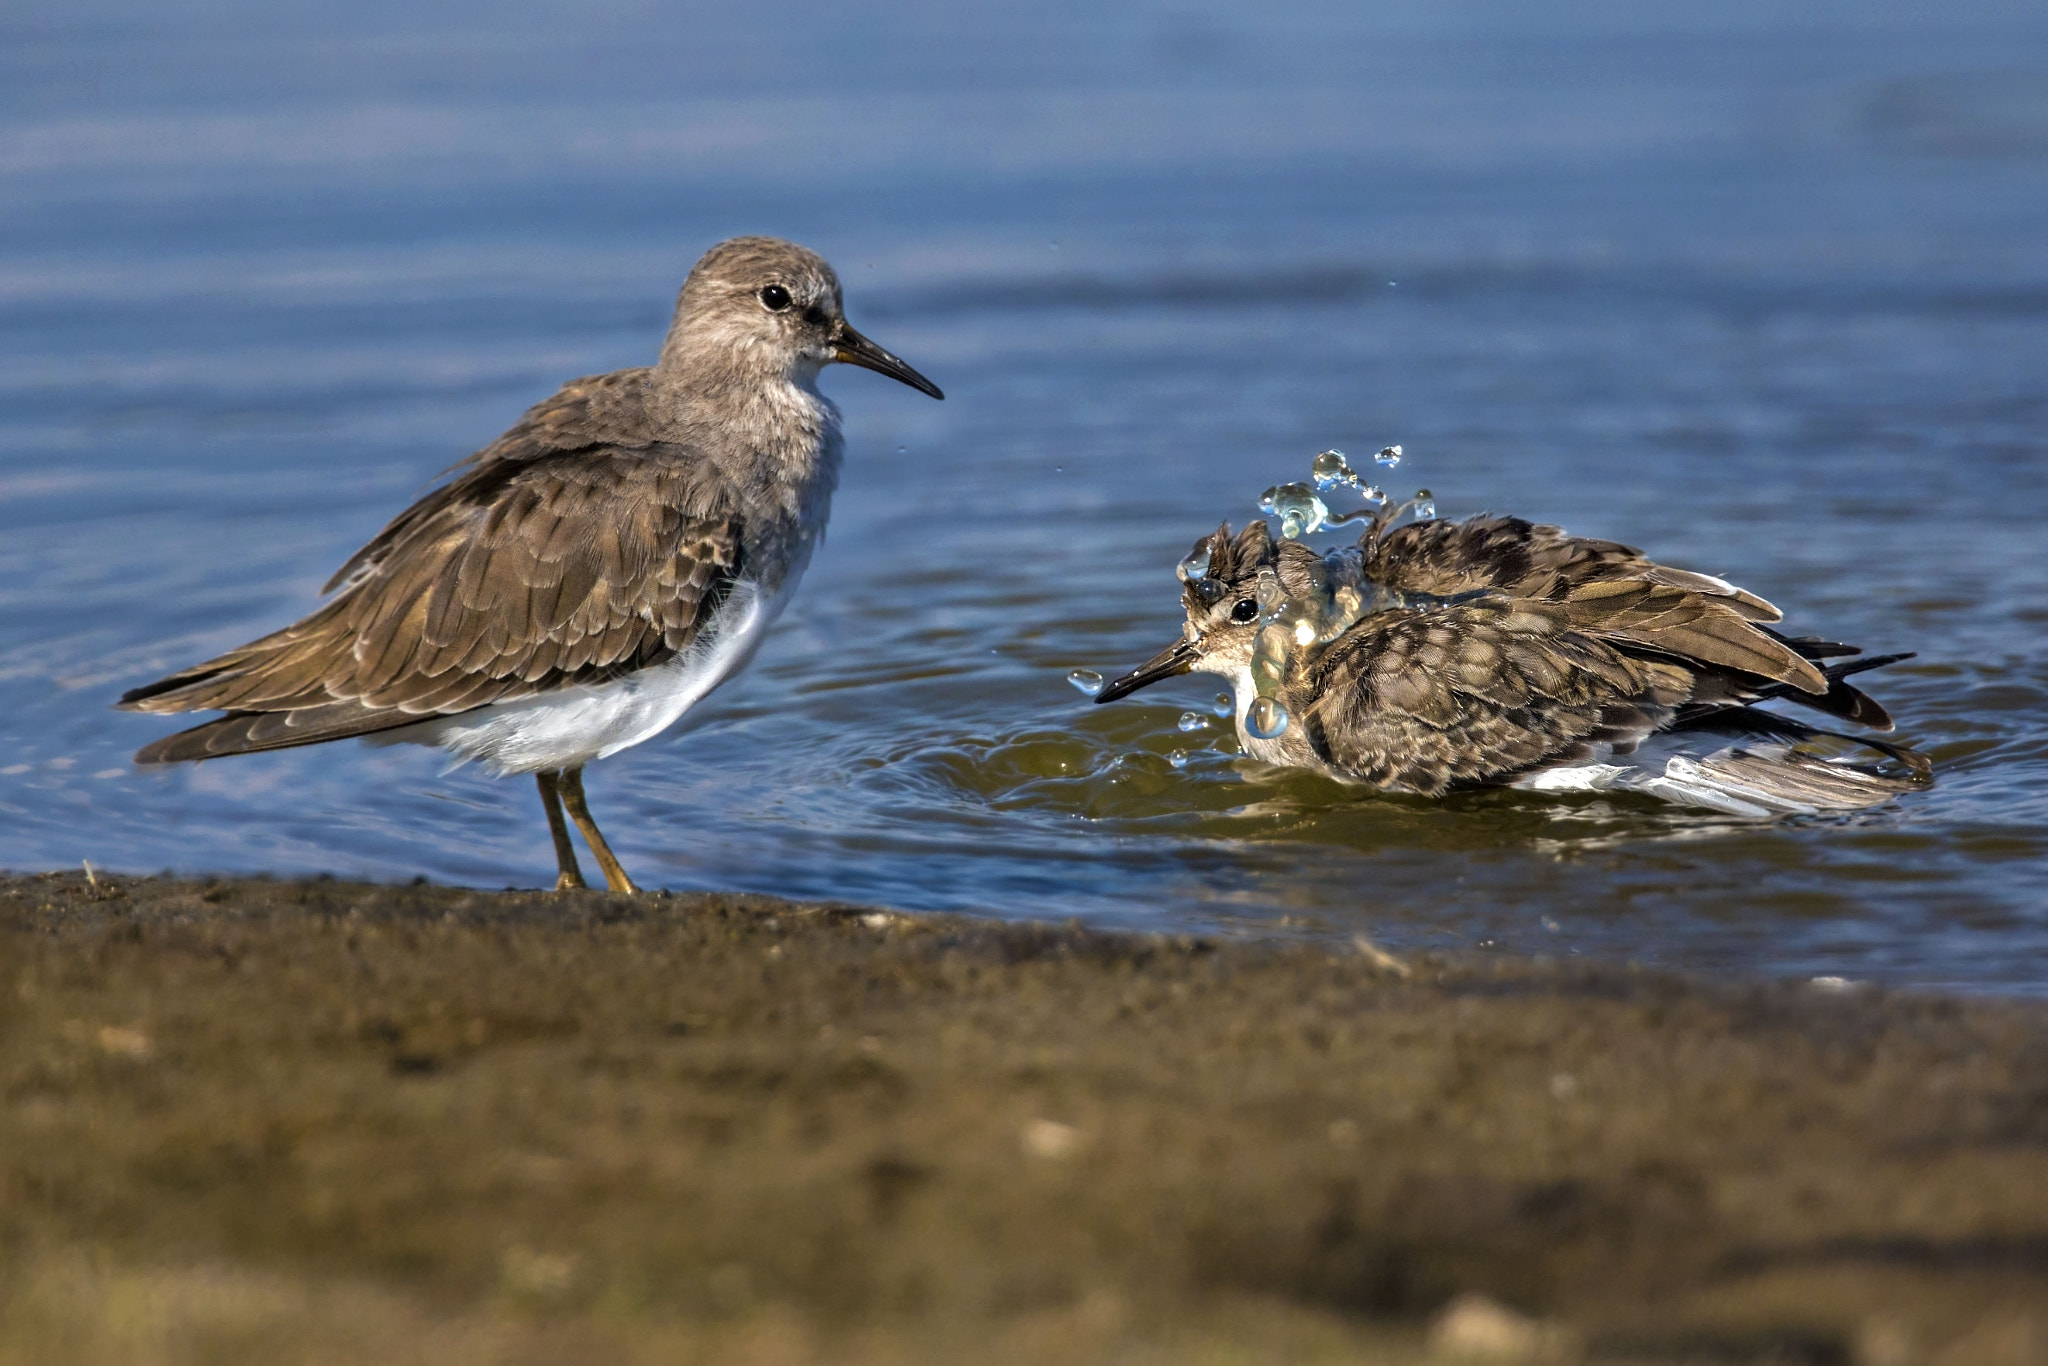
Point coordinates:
[[571, 783], [570, 877]]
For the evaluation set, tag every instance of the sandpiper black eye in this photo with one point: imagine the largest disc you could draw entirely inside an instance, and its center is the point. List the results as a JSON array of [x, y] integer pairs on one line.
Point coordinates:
[[1244, 611], [774, 298]]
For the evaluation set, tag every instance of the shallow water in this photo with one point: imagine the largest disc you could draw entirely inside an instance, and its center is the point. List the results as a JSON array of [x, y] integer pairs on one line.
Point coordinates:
[[1770, 302]]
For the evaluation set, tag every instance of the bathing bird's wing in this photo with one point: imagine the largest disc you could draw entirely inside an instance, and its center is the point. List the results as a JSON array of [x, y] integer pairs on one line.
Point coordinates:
[[1428, 699], [1604, 589]]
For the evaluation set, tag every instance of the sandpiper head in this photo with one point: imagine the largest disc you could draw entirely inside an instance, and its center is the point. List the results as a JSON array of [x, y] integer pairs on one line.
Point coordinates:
[[1222, 601], [772, 308]]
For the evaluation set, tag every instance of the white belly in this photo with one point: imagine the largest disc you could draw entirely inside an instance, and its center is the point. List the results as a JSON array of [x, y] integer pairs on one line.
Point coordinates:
[[574, 726]]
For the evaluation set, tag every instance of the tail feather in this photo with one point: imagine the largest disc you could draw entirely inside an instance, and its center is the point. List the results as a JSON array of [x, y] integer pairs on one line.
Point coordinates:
[[1842, 698], [1813, 647], [1716, 696]]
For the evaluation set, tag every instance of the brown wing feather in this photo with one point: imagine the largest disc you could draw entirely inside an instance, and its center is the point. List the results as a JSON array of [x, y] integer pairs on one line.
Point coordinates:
[[519, 577], [1455, 696], [253, 731], [594, 412]]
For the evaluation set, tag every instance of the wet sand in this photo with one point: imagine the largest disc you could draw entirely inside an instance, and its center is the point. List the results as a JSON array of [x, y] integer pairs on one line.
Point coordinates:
[[250, 1121]]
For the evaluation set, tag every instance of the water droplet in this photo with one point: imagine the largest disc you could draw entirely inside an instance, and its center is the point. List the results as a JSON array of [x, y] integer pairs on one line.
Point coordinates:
[[1269, 658], [1059, 469], [1266, 499], [1195, 566], [902, 450], [1221, 705], [1331, 469], [1087, 680], [1425, 504], [1304, 632], [1389, 456], [1373, 493], [1271, 596], [1179, 758], [1265, 719], [1193, 720]]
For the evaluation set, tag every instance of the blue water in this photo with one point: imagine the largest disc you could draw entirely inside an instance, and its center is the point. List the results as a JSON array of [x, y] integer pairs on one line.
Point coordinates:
[[1765, 295]]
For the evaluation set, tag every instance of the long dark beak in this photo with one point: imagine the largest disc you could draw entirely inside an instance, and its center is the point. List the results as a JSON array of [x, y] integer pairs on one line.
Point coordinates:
[[854, 349], [1168, 663]]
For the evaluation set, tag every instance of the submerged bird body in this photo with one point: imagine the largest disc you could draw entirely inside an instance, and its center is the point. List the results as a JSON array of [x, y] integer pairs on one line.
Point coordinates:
[[588, 577], [1494, 652]]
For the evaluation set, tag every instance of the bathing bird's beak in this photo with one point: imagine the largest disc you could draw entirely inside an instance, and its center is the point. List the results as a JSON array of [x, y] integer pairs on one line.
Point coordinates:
[[854, 349], [1168, 663]]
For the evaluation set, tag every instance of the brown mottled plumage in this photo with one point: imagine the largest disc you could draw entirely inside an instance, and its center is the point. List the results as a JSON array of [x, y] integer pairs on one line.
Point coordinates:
[[587, 577], [1500, 651], [1428, 700]]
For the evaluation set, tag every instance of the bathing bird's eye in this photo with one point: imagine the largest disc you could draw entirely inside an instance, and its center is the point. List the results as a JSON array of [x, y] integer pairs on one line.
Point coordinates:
[[1244, 611], [774, 298]]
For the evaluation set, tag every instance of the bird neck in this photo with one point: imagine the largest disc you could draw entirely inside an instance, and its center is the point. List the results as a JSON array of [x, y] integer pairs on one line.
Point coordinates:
[[761, 424], [772, 439]]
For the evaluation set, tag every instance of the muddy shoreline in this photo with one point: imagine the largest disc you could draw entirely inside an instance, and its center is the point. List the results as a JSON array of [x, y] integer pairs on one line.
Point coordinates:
[[254, 1120]]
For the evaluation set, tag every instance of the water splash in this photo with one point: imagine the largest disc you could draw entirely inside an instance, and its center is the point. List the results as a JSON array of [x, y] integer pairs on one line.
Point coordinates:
[[1302, 510], [1336, 594], [1330, 593], [1087, 680]]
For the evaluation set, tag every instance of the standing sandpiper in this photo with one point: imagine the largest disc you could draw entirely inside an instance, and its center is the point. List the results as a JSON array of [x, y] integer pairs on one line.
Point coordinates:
[[1493, 652], [588, 576]]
